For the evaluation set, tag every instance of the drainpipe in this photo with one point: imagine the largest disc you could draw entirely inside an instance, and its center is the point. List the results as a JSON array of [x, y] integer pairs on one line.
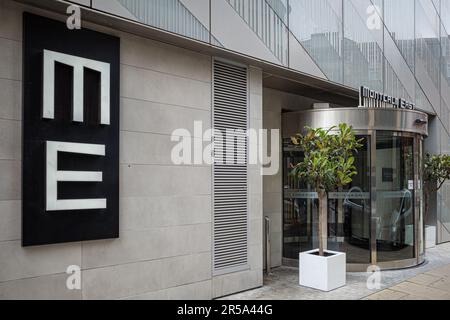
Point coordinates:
[[267, 244]]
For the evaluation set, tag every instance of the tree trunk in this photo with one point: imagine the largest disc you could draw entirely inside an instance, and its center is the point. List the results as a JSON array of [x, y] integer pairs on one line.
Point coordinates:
[[323, 222]]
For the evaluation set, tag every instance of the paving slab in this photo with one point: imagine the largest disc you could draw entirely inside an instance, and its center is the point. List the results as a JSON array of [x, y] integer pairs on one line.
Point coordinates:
[[387, 295], [424, 279], [431, 280], [440, 272], [442, 284], [427, 293]]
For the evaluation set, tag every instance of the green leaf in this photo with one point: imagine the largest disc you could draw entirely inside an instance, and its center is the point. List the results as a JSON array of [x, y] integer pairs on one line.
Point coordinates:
[[328, 156]]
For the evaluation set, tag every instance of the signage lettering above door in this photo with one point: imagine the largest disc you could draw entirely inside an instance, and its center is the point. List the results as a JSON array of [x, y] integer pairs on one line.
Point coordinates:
[[372, 99]]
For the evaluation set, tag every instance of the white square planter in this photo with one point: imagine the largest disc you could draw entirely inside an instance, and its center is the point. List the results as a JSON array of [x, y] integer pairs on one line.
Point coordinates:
[[323, 273]]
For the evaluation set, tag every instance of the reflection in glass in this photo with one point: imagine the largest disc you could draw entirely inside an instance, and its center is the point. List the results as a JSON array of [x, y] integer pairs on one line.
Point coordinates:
[[298, 206], [318, 26], [401, 30], [363, 57], [348, 213], [170, 15], [393, 85], [395, 197], [428, 49], [445, 44], [445, 14], [268, 20]]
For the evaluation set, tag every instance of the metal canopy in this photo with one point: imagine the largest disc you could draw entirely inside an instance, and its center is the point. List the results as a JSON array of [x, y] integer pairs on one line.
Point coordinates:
[[400, 120]]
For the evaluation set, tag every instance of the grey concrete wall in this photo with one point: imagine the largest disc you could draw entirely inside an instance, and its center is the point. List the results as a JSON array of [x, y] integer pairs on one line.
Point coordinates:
[[438, 142], [273, 103], [164, 250]]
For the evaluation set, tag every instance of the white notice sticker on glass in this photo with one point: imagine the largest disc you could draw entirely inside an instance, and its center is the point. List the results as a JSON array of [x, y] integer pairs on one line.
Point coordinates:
[[410, 184]]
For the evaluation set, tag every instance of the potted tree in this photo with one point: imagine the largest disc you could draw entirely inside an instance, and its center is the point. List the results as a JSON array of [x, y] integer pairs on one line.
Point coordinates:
[[327, 165], [436, 172]]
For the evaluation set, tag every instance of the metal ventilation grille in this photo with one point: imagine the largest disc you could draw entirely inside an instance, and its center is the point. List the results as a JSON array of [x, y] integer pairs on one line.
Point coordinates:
[[230, 118]]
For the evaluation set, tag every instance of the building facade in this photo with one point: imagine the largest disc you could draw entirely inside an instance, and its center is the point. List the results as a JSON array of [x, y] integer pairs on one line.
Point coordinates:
[[184, 231]]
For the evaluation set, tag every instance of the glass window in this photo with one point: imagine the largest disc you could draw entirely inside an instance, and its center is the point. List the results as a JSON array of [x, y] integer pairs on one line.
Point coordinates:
[[363, 57], [393, 85], [401, 29], [268, 20], [428, 50], [395, 197], [170, 15], [317, 25], [445, 14], [422, 101], [445, 69]]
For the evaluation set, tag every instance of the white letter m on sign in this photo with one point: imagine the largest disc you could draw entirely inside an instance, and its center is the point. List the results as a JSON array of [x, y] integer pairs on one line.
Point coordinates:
[[78, 64]]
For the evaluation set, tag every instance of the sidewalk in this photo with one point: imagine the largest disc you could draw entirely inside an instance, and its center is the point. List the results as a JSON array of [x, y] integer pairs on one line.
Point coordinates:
[[428, 281], [431, 285]]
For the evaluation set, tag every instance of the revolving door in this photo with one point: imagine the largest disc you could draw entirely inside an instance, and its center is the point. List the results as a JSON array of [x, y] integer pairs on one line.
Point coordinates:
[[378, 218]]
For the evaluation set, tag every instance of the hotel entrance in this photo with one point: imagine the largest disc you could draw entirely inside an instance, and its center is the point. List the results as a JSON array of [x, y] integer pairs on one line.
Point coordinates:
[[378, 218]]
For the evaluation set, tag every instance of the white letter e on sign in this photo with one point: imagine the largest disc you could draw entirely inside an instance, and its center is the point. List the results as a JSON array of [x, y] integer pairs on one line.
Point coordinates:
[[54, 176]]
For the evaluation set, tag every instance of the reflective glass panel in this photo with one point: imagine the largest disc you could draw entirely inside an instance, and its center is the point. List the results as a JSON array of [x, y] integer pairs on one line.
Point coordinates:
[[299, 209], [348, 211], [363, 57], [401, 29], [317, 25], [428, 48], [445, 14], [395, 197], [170, 15]]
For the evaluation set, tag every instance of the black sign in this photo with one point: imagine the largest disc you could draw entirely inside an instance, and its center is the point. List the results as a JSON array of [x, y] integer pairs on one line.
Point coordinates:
[[70, 133], [387, 174]]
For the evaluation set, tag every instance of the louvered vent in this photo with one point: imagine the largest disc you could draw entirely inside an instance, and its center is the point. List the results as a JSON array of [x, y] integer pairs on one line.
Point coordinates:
[[230, 120]]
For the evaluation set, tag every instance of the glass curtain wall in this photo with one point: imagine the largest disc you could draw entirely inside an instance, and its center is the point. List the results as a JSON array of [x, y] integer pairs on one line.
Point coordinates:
[[401, 30], [428, 49], [268, 20], [363, 56], [339, 37], [345, 38], [170, 15], [317, 25]]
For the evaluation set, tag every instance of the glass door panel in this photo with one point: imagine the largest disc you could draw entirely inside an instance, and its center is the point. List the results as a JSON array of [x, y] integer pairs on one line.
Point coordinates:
[[395, 197], [350, 212], [299, 205]]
